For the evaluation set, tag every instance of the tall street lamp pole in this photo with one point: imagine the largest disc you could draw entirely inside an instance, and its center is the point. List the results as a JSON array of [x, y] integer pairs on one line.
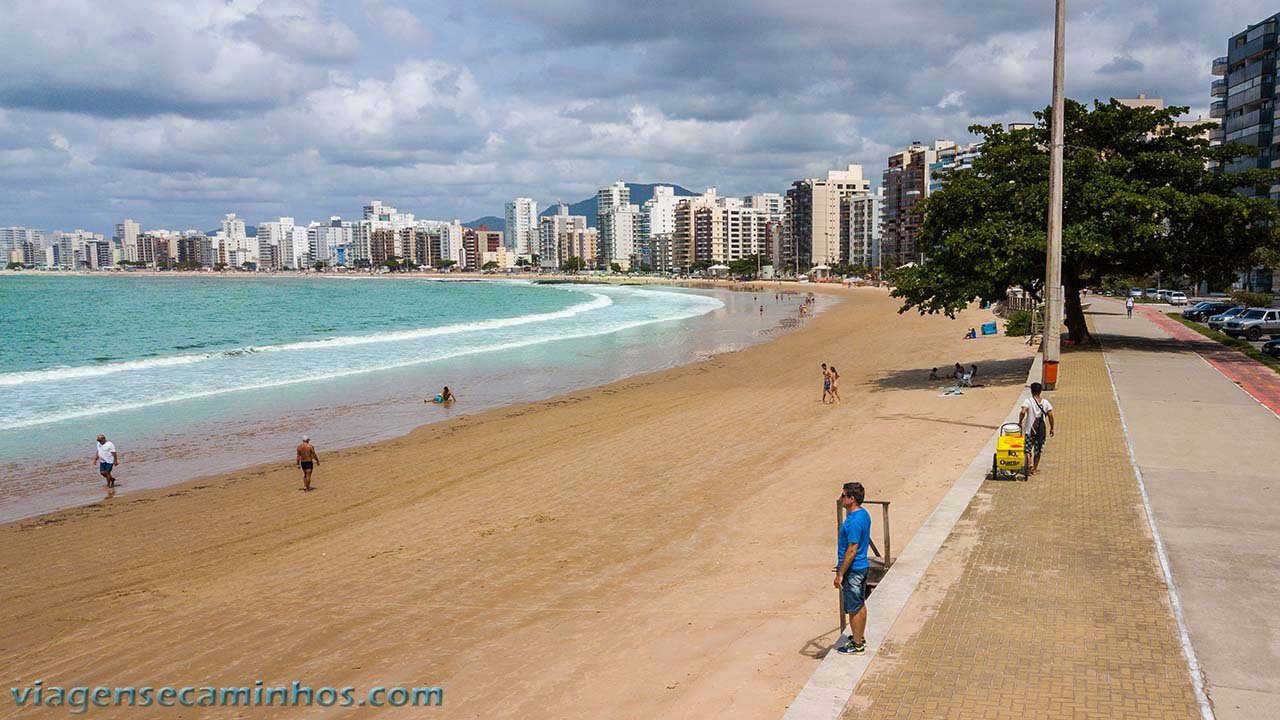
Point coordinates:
[[1051, 345]]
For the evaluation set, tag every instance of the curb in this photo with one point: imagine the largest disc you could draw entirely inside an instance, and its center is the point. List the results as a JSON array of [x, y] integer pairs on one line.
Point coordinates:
[[828, 690]]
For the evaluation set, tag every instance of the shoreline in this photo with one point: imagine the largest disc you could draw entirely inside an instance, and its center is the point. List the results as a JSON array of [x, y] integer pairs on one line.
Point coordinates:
[[655, 546], [257, 430]]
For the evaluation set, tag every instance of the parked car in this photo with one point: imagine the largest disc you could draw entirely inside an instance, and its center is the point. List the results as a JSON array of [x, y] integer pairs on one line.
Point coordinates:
[[1151, 293], [1272, 348], [1206, 309], [1254, 323], [1177, 298], [1135, 292], [1217, 321]]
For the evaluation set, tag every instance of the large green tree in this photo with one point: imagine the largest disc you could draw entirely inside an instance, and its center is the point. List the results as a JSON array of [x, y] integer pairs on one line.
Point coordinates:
[[1138, 199]]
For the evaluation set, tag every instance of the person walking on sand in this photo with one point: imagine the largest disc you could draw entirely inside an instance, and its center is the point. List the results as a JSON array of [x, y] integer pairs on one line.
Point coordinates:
[[835, 385], [307, 459], [1035, 412], [107, 458], [851, 575], [826, 383], [1128, 306]]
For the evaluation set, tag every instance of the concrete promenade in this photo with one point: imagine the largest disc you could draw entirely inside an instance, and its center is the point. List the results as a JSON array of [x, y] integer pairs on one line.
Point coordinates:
[[1048, 599], [1210, 458]]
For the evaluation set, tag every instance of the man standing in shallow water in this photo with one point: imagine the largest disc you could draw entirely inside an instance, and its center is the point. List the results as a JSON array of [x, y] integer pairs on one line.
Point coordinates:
[[107, 458], [307, 460]]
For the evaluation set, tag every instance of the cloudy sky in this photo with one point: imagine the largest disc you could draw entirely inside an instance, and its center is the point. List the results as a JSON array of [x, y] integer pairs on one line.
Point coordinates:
[[174, 113]]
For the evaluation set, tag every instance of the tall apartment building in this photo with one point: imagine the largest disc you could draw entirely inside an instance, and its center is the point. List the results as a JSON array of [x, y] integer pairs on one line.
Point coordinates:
[[551, 230], [522, 226], [579, 243], [657, 229], [863, 247], [127, 238], [1245, 101], [695, 227], [816, 221], [12, 240], [619, 234], [958, 157], [773, 204], [906, 182]]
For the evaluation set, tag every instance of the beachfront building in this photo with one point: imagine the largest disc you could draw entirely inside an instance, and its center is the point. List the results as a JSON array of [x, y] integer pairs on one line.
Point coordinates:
[[815, 220], [551, 232], [695, 226], [1244, 99], [522, 226], [126, 238], [237, 247], [477, 242], [657, 229], [579, 243], [619, 233], [13, 240], [281, 244], [863, 246], [906, 182], [772, 204], [955, 157], [745, 232]]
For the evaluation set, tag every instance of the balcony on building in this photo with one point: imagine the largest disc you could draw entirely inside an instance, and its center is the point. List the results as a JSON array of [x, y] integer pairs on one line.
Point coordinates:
[[1217, 135], [1218, 109], [1218, 88], [1258, 45], [1220, 65]]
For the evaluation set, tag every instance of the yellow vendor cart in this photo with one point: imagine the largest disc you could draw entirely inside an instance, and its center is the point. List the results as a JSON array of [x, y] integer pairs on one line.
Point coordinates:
[[1010, 459]]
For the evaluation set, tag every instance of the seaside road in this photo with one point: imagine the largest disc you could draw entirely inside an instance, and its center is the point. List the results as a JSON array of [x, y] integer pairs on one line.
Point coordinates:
[[1047, 600], [1210, 458]]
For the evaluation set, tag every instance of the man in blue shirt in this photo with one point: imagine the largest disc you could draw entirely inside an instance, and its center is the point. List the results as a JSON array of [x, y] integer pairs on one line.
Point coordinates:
[[851, 577]]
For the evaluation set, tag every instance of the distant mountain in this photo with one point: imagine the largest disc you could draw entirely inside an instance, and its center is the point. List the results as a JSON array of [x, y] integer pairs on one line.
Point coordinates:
[[640, 193], [494, 223]]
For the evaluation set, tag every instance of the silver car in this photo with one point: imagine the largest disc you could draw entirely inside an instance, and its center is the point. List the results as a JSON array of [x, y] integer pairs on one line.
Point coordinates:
[[1254, 323], [1217, 321]]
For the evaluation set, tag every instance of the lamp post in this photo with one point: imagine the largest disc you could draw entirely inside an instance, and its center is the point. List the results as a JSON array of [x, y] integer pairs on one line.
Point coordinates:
[[1051, 345]]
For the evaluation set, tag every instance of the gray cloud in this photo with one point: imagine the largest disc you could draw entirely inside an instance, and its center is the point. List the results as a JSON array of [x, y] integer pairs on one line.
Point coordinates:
[[177, 114]]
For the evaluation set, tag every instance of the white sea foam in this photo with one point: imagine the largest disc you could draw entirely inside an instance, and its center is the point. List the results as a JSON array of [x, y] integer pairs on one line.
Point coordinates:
[[698, 305], [598, 302]]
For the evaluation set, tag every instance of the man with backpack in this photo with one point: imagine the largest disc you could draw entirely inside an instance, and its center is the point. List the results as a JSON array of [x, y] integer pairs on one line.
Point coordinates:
[[1035, 413]]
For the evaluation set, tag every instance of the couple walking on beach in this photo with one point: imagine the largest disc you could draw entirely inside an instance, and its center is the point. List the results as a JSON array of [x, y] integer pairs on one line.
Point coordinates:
[[830, 384]]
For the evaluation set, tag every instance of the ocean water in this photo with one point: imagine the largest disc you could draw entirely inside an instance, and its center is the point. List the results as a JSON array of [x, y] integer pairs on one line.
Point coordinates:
[[196, 375]]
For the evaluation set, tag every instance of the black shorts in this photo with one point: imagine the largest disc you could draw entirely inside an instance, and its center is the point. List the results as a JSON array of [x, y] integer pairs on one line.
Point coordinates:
[[1035, 443], [306, 464]]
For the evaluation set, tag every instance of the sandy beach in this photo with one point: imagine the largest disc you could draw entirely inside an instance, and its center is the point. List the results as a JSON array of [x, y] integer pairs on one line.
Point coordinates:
[[658, 547]]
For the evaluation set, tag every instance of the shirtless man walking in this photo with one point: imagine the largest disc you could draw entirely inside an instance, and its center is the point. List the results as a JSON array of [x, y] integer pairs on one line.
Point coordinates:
[[307, 460]]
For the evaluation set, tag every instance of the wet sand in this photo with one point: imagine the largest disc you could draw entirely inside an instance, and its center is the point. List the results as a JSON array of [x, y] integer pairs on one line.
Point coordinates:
[[657, 547]]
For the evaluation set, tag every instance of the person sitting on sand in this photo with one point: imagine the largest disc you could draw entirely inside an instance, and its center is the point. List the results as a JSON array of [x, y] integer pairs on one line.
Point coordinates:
[[307, 459], [958, 372], [933, 374], [971, 335]]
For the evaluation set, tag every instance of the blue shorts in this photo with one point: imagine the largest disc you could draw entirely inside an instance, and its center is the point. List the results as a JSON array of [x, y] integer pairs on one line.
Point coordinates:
[[854, 590], [105, 467]]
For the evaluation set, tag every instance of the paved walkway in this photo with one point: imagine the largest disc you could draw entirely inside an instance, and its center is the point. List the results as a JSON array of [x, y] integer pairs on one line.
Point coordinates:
[[1047, 600], [1210, 458]]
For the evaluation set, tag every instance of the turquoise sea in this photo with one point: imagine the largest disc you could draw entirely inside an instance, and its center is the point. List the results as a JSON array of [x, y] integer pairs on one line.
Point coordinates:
[[191, 375]]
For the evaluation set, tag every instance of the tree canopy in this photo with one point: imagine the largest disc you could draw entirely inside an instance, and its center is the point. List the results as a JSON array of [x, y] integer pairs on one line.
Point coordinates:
[[1138, 199]]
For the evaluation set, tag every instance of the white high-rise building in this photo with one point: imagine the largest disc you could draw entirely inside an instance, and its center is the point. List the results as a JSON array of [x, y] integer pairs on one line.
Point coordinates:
[[619, 232], [238, 248], [551, 230], [127, 238], [772, 204], [864, 228], [815, 227], [522, 226], [657, 229]]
